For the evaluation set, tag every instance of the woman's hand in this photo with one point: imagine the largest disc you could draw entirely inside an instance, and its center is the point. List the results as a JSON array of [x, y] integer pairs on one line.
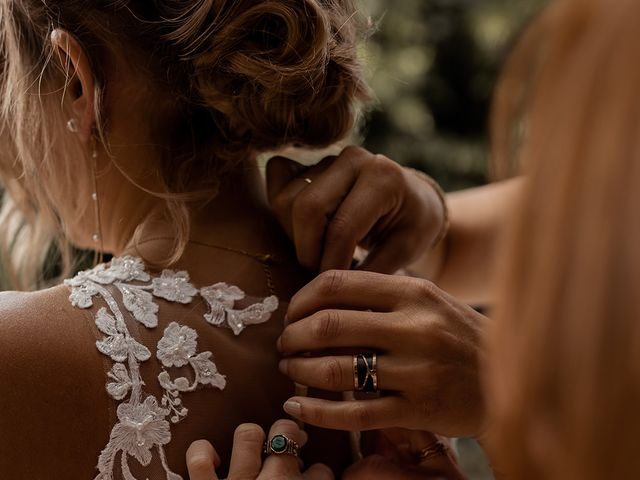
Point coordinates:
[[355, 199], [246, 457], [428, 346], [407, 455]]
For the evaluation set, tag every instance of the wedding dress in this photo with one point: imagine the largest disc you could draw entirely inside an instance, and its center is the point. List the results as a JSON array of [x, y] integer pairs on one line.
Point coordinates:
[[149, 329]]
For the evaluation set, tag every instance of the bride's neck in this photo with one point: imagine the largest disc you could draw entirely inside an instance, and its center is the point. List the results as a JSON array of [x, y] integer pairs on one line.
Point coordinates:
[[238, 217]]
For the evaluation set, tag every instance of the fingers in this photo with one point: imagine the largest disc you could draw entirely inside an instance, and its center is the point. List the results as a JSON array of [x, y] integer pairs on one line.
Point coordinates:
[[336, 373], [330, 216], [284, 465], [314, 209], [352, 222], [391, 255], [246, 458], [304, 208], [280, 172], [356, 290], [318, 472], [338, 328], [350, 415], [202, 460]]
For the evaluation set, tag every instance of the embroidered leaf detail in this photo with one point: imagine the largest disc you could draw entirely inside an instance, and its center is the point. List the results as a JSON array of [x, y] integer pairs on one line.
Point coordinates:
[[182, 384], [221, 299], [217, 315], [254, 314], [140, 303], [121, 385], [106, 323], [207, 372], [115, 347], [138, 350]]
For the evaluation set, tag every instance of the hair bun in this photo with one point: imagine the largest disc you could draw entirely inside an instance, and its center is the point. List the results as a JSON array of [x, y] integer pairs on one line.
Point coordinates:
[[276, 71]]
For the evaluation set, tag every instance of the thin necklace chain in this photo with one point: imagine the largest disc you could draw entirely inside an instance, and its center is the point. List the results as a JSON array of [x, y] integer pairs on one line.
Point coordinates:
[[265, 259]]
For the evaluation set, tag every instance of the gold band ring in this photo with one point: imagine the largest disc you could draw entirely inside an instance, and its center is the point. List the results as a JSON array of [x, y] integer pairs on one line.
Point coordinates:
[[434, 450]]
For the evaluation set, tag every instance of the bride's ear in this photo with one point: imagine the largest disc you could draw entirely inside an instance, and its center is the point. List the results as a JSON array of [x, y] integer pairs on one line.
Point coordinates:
[[80, 83]]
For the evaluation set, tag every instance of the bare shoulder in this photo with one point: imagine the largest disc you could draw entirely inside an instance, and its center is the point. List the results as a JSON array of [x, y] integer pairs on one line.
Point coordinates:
[[41, 326], [19, 307], [52, 382]]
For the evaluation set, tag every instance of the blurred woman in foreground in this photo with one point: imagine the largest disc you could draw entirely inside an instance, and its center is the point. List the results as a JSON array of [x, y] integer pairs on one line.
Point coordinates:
[[564, 377]]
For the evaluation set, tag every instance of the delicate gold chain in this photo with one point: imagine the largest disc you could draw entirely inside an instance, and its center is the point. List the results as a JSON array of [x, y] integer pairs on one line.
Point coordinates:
[[265, 259]]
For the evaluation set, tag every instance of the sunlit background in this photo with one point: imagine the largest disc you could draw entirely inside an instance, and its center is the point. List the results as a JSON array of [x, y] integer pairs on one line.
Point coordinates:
[[433, 66]]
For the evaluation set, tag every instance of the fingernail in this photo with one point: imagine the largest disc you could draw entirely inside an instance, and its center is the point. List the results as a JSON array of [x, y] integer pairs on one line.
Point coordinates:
[[279, 344], [283, 366], [293, 408]]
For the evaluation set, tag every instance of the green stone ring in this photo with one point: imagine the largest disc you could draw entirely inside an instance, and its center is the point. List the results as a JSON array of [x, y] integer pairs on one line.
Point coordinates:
[[280, 445]]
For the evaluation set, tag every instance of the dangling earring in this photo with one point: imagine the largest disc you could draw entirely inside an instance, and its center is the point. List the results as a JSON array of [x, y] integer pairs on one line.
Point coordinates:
[[72, 125], [97, 236]]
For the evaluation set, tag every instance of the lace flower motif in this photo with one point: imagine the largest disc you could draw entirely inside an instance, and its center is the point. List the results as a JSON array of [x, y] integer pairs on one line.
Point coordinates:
[[177, 345], [141, 427], [221, 299], [174, 286], [143, 424]]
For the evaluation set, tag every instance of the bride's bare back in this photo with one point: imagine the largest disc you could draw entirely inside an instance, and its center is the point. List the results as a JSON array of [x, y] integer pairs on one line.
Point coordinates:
[[122, 368]]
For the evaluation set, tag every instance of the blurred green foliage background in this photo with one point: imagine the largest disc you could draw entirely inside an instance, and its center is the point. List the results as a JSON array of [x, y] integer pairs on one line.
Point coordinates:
[[433, 65]]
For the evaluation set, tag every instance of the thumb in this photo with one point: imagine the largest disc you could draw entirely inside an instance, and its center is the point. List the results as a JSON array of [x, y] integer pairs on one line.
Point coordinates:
[[280, 171], [388, 257]]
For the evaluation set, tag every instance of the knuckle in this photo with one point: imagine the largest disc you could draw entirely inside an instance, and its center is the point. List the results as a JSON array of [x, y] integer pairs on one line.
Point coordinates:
[[285, 340], [280, 203], [331, 282], [361, 417], [308, 205], [424, 289], [332, 374], [353, 156], [338, 230], [199, 463], [326, 325], [386, 165], [249, 433], [313, 415]]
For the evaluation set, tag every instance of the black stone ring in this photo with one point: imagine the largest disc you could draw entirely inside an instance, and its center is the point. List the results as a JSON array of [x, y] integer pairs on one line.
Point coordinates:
[[281, 445], [365, 372]]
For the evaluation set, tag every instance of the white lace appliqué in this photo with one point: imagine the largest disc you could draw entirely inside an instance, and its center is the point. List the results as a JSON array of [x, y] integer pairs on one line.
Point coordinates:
[[143, 424]]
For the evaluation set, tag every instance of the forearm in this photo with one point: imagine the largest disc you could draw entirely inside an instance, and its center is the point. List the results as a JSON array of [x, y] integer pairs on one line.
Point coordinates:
[[464, 262]]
